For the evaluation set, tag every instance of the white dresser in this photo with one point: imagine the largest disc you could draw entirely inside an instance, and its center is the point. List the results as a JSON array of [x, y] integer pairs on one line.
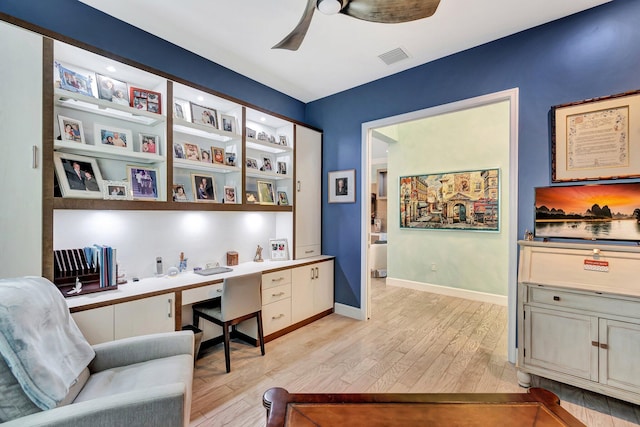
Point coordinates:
[[579, 316]]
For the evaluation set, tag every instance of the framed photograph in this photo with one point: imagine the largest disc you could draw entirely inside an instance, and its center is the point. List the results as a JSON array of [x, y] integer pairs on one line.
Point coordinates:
[[110, 136], [283, 200], [149, 143], [204, 187], [228, 123], [342, 186], [229, 194], [116, 190], [144, 182], [204, 115], [251, 197], [267, 163], [266, 195], [252, 163], [282, 139], [112, 90], [205, 156], [179, 193], [75, 81], [71, 129], [178, 151], [217, 154], [279, 249], [282, 168], [594, 139], [143, 99], [251, 133], [230, 159], [78, 176], [466, 200], [191, 151], [263, 136], [178, 111]]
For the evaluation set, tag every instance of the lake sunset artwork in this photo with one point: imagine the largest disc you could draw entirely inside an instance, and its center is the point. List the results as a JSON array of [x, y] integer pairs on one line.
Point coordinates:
[[593, 212]]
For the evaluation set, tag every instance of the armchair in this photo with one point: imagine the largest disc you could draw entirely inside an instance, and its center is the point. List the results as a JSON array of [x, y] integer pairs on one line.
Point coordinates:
[[136, 381]]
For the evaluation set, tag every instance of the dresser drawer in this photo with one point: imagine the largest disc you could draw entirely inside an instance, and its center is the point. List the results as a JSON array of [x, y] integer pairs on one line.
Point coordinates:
[[595, 303], [270, 280], [276, 293], [202, 293], [276, 316]]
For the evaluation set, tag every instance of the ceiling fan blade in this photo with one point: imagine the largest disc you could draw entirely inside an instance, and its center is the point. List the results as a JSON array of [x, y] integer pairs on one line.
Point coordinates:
[[390, 11], [295, 37]]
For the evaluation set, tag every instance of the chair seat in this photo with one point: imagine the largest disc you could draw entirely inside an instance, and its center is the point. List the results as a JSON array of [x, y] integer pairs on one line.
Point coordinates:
[[210, 308]]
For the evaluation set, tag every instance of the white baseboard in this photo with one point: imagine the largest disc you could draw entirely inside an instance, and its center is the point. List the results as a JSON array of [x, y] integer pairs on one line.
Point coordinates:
[[452, 292], [348, 311]]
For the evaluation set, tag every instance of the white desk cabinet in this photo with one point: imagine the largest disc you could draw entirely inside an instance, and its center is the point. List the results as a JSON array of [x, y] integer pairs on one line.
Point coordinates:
[[577, 324], [312, 290]]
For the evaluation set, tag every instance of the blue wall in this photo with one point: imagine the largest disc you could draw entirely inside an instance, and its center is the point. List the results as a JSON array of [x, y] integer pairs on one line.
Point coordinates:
[[591, 54]]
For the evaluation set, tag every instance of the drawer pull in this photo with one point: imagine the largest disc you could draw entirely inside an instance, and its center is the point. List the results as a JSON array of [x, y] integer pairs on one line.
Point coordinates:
[[595, 343], [279, 294], [556, 298], [279, 279], [604, 346], [219, 291], [309, 251], [279, 316]]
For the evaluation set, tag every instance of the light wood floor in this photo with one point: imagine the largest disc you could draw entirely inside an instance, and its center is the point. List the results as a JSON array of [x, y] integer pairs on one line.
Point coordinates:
[[415, 342]]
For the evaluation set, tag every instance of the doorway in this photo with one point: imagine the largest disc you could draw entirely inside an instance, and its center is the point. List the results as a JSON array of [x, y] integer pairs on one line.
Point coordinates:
[[412, 261]]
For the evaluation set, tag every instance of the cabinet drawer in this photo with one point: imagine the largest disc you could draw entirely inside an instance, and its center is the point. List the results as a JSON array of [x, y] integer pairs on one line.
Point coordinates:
[[276, 316], [307, 251], [596, 303], [202, 293], [270, 280], [276, 293]]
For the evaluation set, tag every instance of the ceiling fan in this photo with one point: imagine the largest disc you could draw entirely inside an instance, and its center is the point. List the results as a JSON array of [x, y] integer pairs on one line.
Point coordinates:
[[381, 11]]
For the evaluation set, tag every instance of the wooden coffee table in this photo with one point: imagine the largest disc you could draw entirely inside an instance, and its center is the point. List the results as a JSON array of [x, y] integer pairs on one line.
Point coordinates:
[[538, 407]]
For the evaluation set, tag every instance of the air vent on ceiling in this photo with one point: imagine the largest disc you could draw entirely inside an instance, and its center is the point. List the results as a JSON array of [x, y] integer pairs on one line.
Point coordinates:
[[393, 56]]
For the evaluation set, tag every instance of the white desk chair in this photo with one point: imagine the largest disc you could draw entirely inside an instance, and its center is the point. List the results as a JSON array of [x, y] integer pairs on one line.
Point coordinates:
[[241, 300]]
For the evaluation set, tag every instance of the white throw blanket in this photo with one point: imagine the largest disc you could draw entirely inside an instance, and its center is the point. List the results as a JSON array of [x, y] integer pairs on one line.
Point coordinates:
[[39, 340]]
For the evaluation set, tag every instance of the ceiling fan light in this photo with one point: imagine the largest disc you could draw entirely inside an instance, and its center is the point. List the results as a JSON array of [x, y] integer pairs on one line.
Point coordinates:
[[329, 7]]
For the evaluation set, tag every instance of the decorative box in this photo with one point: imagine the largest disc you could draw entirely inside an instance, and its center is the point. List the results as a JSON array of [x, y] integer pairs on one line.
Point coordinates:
[[232, 258]]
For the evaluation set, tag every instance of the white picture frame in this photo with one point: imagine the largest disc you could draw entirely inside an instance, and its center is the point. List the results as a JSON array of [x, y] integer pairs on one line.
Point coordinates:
[[279, 249], [116, 190], [149, 143], [342, 186], [83, 181], [71, 129], [228, 123], [112, 137]]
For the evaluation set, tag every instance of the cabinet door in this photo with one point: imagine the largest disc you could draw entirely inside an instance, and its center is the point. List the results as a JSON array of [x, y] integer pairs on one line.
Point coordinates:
[[302, 293], [308, 202], [619, 345], [21, 144], [561, 341], [323, 286], [96, 324], [145, 316]]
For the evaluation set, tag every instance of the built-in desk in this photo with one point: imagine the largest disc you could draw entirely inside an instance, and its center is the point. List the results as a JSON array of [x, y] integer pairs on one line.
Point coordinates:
[[157, 304]]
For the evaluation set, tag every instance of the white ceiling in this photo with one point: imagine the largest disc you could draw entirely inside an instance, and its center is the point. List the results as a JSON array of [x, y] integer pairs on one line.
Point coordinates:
[[339, 52]]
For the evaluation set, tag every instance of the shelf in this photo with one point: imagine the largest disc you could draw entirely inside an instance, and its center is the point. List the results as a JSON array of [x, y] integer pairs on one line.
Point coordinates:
[[202, 166], [254, 173], [106, 152], [267, 146], [106, 108], [209, 132]]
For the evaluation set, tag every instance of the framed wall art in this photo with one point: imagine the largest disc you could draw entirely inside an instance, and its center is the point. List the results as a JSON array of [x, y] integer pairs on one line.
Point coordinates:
[[342, 186], [71, 129], [109, 136], [144, 182], [78, 176], [147, 100], [279, 249], [594, 139], [466, 200]]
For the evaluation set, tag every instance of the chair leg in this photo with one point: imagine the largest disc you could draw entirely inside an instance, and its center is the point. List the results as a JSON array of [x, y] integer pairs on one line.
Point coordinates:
[[260, 332], [227, 358]]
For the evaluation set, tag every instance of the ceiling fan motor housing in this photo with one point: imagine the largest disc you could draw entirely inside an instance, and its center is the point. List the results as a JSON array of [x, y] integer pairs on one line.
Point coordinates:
[[330, 7]]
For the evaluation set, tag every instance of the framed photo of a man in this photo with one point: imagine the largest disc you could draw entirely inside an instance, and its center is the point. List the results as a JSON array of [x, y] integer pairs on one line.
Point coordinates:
[[204, 188], [71, 129], [144, 182], [342, 186], [78, 176]]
